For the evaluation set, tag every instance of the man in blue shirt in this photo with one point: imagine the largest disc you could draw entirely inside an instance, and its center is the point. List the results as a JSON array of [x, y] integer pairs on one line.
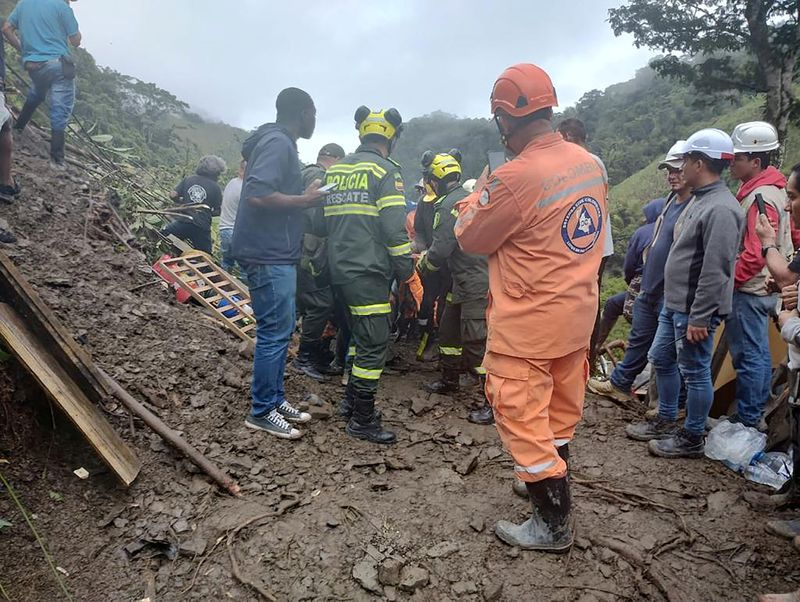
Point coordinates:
[[267, 243], [47, 28], [648, 304]]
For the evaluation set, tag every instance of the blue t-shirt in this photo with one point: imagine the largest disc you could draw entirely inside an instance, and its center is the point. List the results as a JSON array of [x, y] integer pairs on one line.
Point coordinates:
[[269, 235], [653, 273], [44, 26]]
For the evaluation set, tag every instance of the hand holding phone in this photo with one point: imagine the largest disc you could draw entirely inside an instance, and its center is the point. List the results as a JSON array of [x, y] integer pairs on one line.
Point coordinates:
[[762, 207], [329, 187]]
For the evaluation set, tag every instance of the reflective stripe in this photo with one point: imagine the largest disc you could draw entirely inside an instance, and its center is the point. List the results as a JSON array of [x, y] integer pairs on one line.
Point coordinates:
[[480, 370], [347, 169], [350, 209], [560, 442], [450, 350], [393, 200], [371, 310], [351, 350], [536, 468], [454, 212], [449, 297], [549, 200], [365, 373], [423, 342], [403, 249]]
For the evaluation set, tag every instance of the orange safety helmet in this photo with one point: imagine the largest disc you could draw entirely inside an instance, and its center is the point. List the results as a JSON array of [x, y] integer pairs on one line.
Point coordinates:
[[523, 89]]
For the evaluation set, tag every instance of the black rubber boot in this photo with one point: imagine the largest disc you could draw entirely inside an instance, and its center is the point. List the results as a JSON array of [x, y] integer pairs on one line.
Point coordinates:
[[519, 487], [366, 422], [25, 116], [548, 529], [57, 142], [304, 363], [448, 383], [482, 414], [345, 411]]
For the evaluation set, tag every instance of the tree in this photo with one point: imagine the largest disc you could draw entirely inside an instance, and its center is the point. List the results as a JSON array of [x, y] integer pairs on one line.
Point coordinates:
[[714, 33]]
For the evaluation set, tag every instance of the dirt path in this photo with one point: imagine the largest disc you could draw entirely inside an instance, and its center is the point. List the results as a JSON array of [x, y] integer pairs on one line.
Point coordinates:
[[411, 521]]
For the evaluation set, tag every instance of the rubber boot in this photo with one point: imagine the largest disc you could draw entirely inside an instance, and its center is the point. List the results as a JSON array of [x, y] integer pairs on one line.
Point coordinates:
[[366, 422], [483, 413], [57, 141], [448, 383], [548, 529], [519, 487], [304, 363], [25, 116], [345, 411]]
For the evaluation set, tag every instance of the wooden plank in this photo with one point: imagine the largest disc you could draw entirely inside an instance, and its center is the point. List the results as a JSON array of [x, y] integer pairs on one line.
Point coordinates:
[[68, 395]]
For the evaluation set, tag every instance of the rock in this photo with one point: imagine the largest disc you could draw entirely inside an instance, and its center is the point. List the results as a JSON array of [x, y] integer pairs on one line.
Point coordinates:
[[420, 405], [493, 452], [332, 522], [468, 464], [513, 552], [464, 439], [389, 571], [366, 574], [320, 412], [313, 400], [199, 484], [443, 549], [492, 592], [413, 577], [199, 400], [194, 547], [181, 526], [477, 524], [112, 514], [246, 350], [120, 523], [465, 587], [582, 543], [606, 571], [390, 593]]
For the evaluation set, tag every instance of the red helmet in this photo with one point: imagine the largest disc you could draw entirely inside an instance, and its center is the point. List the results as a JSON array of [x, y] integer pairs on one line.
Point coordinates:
[[523, 89]]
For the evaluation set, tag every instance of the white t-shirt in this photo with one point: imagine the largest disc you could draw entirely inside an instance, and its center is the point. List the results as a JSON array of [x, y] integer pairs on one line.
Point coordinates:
[[230, 204], [608, 240]]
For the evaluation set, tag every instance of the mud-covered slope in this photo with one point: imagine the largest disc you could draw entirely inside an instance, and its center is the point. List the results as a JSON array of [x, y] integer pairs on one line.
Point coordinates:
[[343, 505]]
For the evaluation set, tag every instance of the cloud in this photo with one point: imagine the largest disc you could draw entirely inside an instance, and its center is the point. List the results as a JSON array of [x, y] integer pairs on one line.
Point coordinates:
[[231, 59]]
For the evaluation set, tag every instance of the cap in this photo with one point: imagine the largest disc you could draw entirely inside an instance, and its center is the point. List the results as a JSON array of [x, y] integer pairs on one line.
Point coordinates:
[[332, 150]]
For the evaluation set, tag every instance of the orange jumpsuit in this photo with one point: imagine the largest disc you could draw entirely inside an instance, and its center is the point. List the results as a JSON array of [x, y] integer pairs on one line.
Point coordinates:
[[540, 219]]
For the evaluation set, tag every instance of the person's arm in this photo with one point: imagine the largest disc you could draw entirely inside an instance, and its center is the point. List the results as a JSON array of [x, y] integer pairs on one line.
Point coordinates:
[[70, 25], [9, 30], [391, 205], [177, 193], [749, 263], [267, 165], [784, 273], [789, 322], [633, 257], [444, 238], [487, 218], [721, 236]]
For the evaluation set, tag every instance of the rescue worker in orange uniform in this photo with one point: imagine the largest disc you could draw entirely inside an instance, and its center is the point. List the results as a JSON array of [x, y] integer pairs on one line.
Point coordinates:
[[540, 218]]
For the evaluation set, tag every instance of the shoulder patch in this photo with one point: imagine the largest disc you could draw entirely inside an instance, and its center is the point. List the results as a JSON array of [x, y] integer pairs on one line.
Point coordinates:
[[582, 224], [398, 183]]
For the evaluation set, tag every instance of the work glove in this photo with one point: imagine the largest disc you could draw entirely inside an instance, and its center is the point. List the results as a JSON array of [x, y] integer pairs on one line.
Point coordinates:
[[417, 291]]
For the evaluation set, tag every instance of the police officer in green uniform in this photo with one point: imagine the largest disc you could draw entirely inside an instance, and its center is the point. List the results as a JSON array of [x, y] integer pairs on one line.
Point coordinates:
[[462, 331], [314, 294], [368, 248]]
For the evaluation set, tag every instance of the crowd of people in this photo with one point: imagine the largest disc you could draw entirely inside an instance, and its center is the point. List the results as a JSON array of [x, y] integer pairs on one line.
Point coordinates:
[[498, 277]]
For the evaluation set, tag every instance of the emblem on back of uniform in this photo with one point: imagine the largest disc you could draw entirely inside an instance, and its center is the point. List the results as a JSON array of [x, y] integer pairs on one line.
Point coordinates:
[[197, 194], [582, 224]]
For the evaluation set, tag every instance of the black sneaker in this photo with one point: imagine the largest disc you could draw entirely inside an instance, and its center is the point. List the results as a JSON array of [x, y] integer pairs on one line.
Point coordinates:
[[7, 237], [481, 415], [274, 424], [9, 193], [655, 428], [682, 444], [292, 414]]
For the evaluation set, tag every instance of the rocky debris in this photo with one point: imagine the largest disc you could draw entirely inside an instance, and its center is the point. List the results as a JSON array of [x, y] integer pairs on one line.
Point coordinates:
[[477, 524], [413, 578], [468, 464], [492, 592], [389, 571], [443, 549], [421, 404], [366, 574], [320, 412], [463, 588]]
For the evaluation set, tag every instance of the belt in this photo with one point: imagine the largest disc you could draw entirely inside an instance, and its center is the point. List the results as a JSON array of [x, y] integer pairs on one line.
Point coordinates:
[[34, 65]]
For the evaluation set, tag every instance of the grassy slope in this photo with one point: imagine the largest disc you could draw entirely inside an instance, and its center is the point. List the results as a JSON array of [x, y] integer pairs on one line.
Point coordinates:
[[210, 138]]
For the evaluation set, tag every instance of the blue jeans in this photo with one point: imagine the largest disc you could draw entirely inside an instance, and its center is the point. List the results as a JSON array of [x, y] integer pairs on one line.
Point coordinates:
[[50, 78], [747, 334], [673, 357], [225, 237], [646, 309], [272, 292]]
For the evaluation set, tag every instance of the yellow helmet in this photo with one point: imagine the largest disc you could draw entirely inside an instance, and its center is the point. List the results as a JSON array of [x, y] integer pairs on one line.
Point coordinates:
[[385, 123], [442, 165]]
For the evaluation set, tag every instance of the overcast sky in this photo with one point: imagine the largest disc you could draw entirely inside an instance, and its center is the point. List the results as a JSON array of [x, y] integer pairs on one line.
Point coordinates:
[[229, 59]]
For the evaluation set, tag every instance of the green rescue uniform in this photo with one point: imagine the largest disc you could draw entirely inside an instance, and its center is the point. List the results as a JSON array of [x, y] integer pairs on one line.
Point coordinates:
[[314, 293], [462, 332], [368, 248]]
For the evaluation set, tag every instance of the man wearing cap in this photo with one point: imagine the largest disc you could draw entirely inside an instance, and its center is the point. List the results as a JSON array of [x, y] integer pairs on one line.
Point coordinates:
[[747, 327], [698, 291], [650, 301], [314, 294]]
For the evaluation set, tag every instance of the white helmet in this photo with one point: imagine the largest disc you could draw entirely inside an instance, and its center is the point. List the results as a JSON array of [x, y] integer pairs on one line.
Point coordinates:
[[674, 158], [755, 137], [469, 185], [711, 142]]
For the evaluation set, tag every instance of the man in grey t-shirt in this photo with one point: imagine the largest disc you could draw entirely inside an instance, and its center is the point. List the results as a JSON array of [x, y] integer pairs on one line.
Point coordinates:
[[227, 217]]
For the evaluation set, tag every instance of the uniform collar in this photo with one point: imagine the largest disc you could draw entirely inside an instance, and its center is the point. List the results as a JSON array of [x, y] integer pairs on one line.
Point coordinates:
[[543, 141], [363, 148]]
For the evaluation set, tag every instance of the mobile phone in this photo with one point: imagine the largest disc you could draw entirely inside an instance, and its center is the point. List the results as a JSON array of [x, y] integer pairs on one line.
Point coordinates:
[[329, 187], [762, 208], [496, 159]]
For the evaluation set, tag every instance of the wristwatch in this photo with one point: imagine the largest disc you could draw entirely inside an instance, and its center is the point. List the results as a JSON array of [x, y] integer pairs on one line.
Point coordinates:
[[765, 250]]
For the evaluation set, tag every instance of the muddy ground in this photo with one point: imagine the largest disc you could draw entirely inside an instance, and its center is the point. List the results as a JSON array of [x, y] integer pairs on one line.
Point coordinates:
[[343, 519]]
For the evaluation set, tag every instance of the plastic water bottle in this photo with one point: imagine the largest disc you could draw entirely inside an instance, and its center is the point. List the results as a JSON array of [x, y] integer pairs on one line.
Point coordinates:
[[734, 443], [759, 472]]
